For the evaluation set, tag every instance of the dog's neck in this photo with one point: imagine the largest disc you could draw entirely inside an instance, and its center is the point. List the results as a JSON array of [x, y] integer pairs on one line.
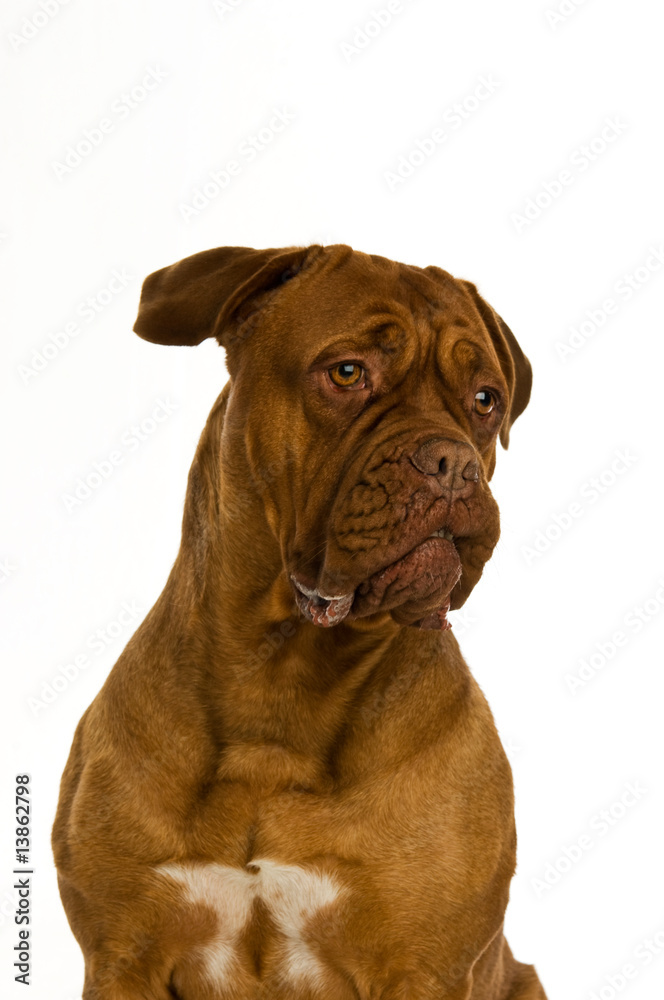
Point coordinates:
[[280, 687]]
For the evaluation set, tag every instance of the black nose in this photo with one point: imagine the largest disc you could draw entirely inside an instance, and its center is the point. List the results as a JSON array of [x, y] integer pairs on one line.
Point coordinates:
[[453, 463]]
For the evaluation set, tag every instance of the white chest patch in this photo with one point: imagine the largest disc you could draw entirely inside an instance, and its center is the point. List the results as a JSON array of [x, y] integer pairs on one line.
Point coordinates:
[[291, 893]]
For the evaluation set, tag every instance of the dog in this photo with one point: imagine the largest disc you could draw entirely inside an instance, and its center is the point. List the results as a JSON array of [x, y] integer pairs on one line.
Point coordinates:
[[290, 787]]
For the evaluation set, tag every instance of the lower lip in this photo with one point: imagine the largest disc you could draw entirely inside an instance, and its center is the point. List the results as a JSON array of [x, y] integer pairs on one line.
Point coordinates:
[[322, 612], [430, 567], [425, 575]]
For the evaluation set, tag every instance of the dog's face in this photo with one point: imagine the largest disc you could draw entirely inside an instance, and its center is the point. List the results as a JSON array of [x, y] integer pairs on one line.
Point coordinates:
[[370, 396]]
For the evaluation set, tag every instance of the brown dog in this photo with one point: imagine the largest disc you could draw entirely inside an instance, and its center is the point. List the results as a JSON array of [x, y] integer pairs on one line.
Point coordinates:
[[258, 805]]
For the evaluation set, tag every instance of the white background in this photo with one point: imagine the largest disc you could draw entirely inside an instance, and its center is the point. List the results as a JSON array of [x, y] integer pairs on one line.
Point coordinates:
[[534, 617]]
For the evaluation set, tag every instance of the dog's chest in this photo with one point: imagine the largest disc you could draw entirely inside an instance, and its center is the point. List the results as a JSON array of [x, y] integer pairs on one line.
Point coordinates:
[[284, 899]]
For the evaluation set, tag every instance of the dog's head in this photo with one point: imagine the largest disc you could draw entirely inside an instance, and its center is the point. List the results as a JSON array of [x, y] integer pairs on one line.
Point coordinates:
[[370, 396]]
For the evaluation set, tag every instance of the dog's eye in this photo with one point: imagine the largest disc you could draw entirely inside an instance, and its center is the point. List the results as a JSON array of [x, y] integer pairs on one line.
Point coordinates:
[[347, 375], [484, 402]]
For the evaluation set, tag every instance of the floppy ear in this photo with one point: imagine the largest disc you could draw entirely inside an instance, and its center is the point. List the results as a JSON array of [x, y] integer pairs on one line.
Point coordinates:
[[200, 296], [515, 365]]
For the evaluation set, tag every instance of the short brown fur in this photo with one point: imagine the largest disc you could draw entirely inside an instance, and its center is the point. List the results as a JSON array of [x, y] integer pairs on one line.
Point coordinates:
[[234, 728]]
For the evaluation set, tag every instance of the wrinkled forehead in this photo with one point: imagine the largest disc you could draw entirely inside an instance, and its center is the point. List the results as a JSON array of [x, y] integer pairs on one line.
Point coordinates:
[[359, 303]]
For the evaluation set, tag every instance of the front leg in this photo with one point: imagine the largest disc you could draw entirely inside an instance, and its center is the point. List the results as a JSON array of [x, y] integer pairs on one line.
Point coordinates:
[[136, 944], [125, 976]]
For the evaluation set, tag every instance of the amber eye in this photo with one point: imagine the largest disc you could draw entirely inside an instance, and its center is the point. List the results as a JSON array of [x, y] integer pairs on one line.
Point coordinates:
[[346, 375], [484, 402]]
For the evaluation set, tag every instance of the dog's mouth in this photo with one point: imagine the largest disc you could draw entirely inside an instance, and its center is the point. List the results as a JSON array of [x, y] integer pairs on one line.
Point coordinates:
[[416, 589], [322, 609]]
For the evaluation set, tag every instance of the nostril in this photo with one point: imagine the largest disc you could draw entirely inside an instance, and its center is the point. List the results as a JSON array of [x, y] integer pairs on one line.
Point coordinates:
[[444, 459], [471, 472]]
